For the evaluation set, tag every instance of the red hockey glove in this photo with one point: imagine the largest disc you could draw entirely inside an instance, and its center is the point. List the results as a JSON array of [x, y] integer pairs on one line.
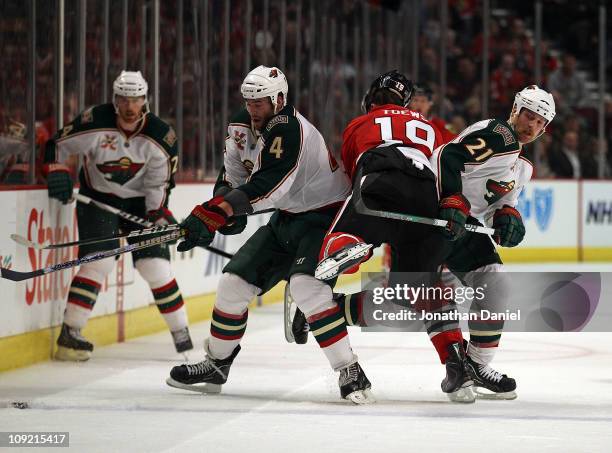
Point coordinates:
[[202, 223], [161, 216]]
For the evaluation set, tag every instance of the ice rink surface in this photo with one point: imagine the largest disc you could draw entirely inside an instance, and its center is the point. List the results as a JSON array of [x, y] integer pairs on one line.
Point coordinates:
[[283, 397]]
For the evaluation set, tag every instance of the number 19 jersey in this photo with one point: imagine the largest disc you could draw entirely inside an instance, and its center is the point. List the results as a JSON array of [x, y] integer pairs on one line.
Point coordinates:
[[388, 125]]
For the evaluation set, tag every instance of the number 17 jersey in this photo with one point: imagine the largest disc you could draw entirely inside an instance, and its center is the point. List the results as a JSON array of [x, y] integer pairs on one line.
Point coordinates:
[[388, 125]]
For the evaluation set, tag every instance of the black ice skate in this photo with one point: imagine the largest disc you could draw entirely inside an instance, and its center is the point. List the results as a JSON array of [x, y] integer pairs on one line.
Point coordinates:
[[458, 382], [490, 384], [338, 262], [182, 340], [212, 373], [354, 385], [72, 346], [300, 327]]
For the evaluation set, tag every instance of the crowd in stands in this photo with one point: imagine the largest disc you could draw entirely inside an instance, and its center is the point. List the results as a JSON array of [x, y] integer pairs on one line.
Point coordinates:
[[332, 68]]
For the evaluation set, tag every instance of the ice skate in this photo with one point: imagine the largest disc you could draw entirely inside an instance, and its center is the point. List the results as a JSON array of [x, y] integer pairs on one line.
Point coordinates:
[[354, 385], [491, 384], [458, 383], [338, 262], [206, 376], [72, 346]]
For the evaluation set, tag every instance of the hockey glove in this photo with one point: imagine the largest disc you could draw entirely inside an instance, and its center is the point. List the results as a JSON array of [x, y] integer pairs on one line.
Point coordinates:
[[236, 225], [162, 217], [59, 182], [509, 223], [455, 210], [201, 224]]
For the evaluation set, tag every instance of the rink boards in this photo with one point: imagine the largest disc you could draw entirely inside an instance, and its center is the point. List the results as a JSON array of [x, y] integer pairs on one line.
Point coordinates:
[[565, 220]]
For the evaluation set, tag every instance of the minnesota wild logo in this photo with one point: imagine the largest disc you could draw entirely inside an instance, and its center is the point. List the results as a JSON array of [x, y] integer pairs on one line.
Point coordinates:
[[119, 171], [497, 189]]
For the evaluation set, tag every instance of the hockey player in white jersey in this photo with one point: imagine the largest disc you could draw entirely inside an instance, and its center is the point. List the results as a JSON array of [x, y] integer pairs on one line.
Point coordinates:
[[480, 175], [129, 159], [295, 173]]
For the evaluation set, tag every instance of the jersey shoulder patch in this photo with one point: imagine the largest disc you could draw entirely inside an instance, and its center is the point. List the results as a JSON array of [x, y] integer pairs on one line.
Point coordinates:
[[278, 119], [507, 134], [96, 117]]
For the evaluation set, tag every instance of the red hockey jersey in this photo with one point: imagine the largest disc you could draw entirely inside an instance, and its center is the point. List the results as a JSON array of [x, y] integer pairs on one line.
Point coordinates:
[[387, 125]]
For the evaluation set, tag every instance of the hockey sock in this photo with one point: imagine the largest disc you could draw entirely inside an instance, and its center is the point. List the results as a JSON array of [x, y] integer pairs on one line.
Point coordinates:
[[226, 331], [169, 301], [329, 329], [441, 341], [485, 333], [482, 355], [81, 300], [351, 305]]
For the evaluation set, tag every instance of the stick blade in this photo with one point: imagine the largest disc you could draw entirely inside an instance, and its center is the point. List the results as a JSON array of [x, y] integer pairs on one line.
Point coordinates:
[[17, 276], [23, 241]]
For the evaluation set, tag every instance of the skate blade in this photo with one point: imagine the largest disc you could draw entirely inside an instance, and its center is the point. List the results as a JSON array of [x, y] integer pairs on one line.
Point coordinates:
[[463, 395], [71, 355], [361, 397], [331, 267], [288, 301], [486, 394], [199, 388]]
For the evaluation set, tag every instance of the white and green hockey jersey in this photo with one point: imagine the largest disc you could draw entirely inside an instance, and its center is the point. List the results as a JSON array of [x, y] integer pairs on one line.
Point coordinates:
[[485, 164], [288, 166], [141, 165]]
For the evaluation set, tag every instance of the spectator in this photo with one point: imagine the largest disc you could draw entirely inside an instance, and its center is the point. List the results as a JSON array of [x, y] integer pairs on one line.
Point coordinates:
[[567, 85], [569, 162], [505, 82]]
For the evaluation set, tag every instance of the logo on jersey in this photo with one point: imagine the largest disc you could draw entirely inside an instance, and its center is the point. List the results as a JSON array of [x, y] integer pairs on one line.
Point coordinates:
[[119, 171], [542, 199], [170, 137], [240, 139], [248, 165], [109, 142], [497, 189]]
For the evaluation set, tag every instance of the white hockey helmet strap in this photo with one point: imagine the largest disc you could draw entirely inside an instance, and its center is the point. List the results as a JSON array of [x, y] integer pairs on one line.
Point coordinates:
[[264, 81], [536, 100], [131, 84]]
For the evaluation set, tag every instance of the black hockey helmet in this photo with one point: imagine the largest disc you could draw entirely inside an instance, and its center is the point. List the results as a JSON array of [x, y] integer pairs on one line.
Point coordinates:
[[393, 81]]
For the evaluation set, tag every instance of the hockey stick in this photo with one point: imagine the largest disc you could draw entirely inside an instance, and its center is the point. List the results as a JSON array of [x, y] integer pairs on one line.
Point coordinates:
[[136, 233], [361, 208], [138, 220], [17, 276]]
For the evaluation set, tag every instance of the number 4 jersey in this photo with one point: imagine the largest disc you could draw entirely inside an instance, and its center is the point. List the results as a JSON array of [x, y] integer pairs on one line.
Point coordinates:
[[485, 164], [387, 125]]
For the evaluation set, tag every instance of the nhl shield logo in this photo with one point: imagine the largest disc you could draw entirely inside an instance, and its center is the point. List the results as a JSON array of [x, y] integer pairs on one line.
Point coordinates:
[[543, 201]]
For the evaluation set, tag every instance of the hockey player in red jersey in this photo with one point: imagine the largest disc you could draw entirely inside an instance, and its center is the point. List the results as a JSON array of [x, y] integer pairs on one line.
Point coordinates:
[[389, 147]]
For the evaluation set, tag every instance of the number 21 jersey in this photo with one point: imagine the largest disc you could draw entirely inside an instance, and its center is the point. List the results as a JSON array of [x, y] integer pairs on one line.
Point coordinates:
[[388, 125]]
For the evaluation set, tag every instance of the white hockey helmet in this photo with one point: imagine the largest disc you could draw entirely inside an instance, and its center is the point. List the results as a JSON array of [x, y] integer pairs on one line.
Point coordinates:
[[264, 82], [131, 84], [535, 99]]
